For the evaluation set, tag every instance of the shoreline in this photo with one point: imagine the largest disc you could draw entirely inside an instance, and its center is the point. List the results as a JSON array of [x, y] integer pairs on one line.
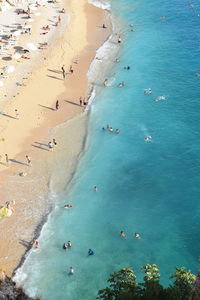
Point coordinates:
[[45, 162]]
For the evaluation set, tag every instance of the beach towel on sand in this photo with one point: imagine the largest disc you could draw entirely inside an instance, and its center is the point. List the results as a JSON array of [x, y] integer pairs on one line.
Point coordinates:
[[5, 212]]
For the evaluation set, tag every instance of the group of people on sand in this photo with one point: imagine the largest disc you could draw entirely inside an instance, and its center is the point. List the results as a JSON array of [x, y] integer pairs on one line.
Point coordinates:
[[83, 101], [52, 144], [8, 160]]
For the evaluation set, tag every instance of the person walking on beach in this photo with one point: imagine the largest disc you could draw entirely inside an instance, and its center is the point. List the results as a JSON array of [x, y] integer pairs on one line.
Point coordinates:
[[50, 145], [28, 160], [80, 100], [105, 83], [57, 105], [71, 70], [35, 242], [59, 19], [7, 159], [63, 71], [54, 142], [16, 114]]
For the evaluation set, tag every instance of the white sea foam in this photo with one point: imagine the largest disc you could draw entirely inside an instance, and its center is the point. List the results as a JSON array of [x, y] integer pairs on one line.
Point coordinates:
[[104, 4]]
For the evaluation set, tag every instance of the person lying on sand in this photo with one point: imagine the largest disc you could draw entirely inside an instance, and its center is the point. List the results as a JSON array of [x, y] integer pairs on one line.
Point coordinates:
[[46, 27]]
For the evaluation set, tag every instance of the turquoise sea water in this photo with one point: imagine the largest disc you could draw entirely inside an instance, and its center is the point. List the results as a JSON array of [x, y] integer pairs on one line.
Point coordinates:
[[147, 187]]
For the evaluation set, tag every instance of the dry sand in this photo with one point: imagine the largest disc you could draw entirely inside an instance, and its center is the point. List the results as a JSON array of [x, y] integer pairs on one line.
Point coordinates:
[[28, 135]]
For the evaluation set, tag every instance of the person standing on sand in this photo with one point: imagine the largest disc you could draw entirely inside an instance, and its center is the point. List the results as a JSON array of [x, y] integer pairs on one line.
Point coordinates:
[[16, 114], [59, 19], [35, 242], [57, 105], [28, 160], [80, 100], [63, 71], [54, 142], [105, 83], [7, 159], [71, 70], [50, 145]]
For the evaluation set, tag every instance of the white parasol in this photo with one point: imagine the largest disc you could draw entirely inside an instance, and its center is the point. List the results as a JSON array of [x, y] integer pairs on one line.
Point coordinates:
[[37, 14], [1, 83], [30, 20], [31, 47], [16, 33], [32, 7], [16, 56], [9, 69], [27, 27]]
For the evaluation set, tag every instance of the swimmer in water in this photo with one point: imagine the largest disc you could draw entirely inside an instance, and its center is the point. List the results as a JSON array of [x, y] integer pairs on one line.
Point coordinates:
[[137, 236], [117, 131], [90, 252], [64, 246], [110, 129], [35, 242], [69, 244], [121, 84], [119, 40], [95, 188], [71, 271], [122, 234], [105, 83], [159, 98], [148, 138], [148, 91], [68, 206]]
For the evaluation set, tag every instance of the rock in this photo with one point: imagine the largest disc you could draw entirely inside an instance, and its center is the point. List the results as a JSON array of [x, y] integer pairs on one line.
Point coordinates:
[[2, 275]]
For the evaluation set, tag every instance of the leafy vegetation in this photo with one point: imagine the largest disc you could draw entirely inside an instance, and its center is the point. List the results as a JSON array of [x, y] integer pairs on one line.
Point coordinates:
[[123, 285]]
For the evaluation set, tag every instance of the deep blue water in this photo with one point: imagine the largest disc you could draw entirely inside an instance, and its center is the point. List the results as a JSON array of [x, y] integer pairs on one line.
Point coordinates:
[[147, 187]]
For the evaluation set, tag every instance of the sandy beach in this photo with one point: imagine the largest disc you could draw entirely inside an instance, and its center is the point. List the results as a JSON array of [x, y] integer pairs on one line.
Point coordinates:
[[72, 43]]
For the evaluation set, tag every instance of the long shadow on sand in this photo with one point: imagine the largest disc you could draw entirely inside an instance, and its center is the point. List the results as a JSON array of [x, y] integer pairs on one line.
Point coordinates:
[[51, 108], [26, 244], [17, 162], [9, 116], [39, 147], [54, 77], [55, 71], [70, 102], [41, 144]]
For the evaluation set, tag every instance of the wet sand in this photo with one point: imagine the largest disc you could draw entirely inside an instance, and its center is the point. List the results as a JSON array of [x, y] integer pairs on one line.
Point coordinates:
[[31, 133]]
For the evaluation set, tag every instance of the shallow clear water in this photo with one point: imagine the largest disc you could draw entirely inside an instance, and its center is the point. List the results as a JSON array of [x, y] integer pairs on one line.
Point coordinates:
[[147, 187]]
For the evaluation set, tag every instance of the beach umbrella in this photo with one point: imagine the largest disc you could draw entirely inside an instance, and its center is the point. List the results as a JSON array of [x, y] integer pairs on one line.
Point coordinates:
[[9, 69], [27, 27], [33, 7], [37, 14], [30, 20], [31, 47], [16, 56], [16, 33], [1, 83]]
